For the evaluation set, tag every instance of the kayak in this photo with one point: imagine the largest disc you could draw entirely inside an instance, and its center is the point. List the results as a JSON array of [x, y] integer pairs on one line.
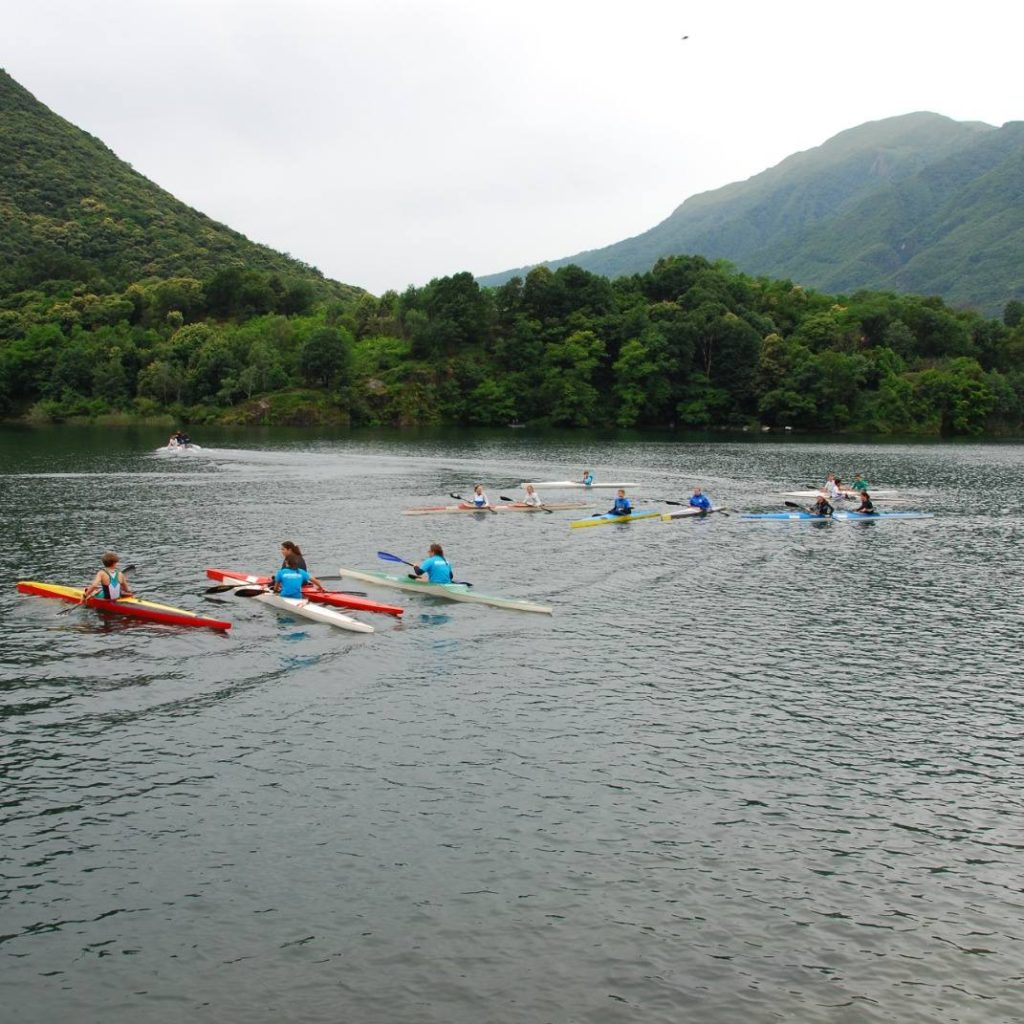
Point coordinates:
[[329, 597], [133, 607], [551, 484], [851, 516], [688, 512], [518, 506], [447, 591], [317, 612], [852, 495], [603, 520], [180, 449]]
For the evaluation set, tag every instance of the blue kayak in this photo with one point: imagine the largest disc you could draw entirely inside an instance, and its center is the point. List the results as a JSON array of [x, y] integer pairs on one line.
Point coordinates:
[[810, 517]]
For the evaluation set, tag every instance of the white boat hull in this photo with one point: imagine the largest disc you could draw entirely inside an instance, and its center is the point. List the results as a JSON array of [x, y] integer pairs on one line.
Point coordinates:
[[316, 612]]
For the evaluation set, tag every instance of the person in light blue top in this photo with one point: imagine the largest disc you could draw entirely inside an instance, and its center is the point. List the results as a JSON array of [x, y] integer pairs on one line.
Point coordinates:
[[588, 478], [289, 581], [622, 507], [701, 501], [435, 567]]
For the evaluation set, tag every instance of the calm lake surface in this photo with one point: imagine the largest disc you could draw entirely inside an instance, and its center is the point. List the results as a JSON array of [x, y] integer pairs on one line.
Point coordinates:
[[746, 772]]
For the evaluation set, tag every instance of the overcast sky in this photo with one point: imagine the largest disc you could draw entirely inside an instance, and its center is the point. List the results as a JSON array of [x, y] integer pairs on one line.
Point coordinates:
[[391, 141]]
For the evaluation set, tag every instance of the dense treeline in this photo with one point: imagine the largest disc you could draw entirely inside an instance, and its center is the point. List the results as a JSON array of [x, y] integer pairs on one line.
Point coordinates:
[[690, 343]]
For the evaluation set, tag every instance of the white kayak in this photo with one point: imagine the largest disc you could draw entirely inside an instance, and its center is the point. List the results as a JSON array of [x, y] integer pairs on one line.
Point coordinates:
[[563, 484], [686, 513], [516, 506], [447, 591], [851, 495], [317, 612]]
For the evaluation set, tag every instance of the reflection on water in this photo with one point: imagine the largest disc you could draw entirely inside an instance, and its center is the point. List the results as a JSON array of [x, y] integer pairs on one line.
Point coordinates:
[[745, 771]]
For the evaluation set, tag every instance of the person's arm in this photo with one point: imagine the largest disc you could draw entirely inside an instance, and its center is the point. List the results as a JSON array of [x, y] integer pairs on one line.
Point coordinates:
[[310, 578], [97, 582], [126, 589]]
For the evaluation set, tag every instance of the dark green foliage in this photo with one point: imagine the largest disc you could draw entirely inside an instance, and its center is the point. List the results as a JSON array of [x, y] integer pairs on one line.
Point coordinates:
[[116, 299]]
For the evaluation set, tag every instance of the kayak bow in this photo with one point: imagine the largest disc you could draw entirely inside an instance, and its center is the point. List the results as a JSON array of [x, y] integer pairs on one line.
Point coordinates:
[[316, 612]]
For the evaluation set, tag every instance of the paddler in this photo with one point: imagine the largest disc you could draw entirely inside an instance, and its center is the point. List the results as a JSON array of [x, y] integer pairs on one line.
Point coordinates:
[[289, 581], [859, 483], [866, 506], [622, 507], [821, 507], [831, 488], [110, 580], [289, 547], [435, 567], [480, 499], [699, 500], [532, 497], [588, 478]]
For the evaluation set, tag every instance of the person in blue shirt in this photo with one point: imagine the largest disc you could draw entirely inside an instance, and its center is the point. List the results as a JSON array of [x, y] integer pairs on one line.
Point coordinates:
[[701, 501], [289, 581], [435, 567], [622, 507], [588, 478]]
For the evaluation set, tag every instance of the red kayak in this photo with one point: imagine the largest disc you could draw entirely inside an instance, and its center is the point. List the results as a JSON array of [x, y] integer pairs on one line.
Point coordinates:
[[130, 606], [332, 597]]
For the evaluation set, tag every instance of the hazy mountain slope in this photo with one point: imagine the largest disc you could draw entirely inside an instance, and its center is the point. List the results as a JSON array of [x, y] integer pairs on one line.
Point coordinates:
[[68, 203], [913, 203]]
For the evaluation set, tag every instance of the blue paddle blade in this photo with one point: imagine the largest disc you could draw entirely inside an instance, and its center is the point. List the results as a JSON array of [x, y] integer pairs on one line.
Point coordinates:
[[392, 558]]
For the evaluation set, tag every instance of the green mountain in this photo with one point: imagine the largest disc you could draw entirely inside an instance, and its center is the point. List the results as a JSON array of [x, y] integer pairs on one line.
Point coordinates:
[[918, 203], [71, 210]]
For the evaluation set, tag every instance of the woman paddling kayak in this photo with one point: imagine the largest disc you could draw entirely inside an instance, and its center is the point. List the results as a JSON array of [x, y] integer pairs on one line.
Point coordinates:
[[289, 581], [289, 547], [699, 500], [480, 499], [435, 567], [532, 497], [110, 580]]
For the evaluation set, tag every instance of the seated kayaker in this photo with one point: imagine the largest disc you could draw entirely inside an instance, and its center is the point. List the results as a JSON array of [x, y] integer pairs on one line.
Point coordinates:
[[289, 547], [480, 499], [435, 567], [109, 582], [699, 500], [821, 507], [588, 478], [289, 581], [831, 488], [622, 507], [866, 506], [859, 483], [532, 497]]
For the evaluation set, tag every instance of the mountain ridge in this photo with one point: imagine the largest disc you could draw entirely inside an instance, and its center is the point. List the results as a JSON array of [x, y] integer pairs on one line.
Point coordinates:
[[795, 219]]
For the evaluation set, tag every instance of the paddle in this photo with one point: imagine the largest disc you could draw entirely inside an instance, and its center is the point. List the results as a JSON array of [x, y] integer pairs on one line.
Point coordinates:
[[459, 497], [384, 556], [704, 511], [82, 604], [540, 507]]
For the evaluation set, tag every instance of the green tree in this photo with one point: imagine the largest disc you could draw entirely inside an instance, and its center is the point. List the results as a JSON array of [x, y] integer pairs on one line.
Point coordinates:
[[568, 393], [326, 357]]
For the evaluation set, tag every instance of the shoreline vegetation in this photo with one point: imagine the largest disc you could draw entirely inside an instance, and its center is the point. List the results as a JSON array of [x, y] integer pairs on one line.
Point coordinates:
[[690, 345]]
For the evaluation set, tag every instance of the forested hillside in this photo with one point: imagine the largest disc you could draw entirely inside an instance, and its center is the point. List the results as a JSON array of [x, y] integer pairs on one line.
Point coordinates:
[[918, 204], [70, 210], [116, 300]]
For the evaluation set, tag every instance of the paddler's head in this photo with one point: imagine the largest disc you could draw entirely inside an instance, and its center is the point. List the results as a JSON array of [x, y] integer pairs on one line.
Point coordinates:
[[622, 493], [291, 560], [436, 549], [109, 559]]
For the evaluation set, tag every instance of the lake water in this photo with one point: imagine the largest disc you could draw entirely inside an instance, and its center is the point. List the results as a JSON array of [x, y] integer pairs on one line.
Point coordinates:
[[745, 772]]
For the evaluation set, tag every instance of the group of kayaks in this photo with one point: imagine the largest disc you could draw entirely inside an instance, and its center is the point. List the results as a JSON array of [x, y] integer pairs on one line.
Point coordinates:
[[326, 606], [315, 604]]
